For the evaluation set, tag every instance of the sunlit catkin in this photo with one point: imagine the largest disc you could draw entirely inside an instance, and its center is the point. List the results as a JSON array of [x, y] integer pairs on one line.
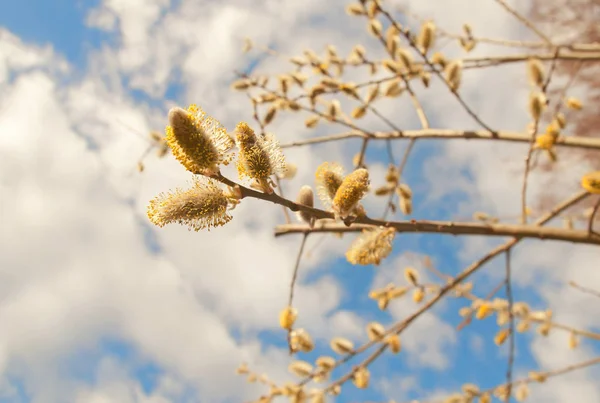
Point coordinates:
[[205, 205], [300, 368], [453, 74], [411, 275], [300, 340], [375, 331], [501, 336], [351, 191], [418, 295], [522, 392], [535, 72], [393, 341], [328, 178], [199, 142], [361, 378], [341, 346], [485, 310], [260, 157], [306, 198], [591, 182], [574, 103], [537, 103], [287, 317], [405, 58], [426, 37], [371, 247]]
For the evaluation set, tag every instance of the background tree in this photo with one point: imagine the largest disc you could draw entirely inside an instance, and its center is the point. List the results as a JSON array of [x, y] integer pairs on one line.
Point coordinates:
[[356, 96]]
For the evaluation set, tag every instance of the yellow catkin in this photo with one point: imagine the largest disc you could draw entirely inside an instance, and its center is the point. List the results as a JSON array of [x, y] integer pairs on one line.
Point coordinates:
[[325, 362], [501, 336], [411, 275], [535, 71], [574, 103], [591, 182], [405, 58], [300, 340], [361, 378], [300, 368], [371, 247], [328, 178], [204, 206], [359, 112], [341, 346], [375, 331], [393, 341], [537, 103], [484, 311], [418, 295], [375, 27], [426, 37], [538, 376], [312, 121], [573, 340], [355, 9], [259, 157], [405, 206], [197, 141], [287, 317], [522, 392], [351, 191], [545, 141], [453, 73]]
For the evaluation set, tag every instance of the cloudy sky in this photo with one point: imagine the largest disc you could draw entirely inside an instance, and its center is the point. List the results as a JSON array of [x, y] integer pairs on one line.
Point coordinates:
[[98, 305]]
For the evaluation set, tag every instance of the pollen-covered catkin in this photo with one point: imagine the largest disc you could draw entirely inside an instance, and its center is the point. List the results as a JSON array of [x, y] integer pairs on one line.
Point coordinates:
[[199, 142], [371, 247], [260, 157], [351, 191], [205, 205]]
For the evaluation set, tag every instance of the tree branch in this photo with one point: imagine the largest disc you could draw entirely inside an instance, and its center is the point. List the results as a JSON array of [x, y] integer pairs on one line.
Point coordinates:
[[448, 227], [446, 134]]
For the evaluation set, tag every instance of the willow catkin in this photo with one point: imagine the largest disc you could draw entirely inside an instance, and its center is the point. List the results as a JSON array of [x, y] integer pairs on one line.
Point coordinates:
[[426, 37], [306, 198], [537, 103], [352, 189], [535, 72], [453, 73]]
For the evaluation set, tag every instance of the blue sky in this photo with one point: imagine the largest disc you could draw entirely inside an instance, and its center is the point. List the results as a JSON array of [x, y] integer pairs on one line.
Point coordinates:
[[144, 341]]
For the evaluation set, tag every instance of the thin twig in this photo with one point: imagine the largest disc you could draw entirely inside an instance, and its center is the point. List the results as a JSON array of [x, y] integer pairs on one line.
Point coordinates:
[[293, 284], [593, 217], [401, 167], [511, 347], [525, 21], [585, 289], [532, 144]]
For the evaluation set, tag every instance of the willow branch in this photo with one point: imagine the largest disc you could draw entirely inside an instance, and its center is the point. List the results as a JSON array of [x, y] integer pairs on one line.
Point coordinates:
[[531, 146], [585, 289], [293, 284], [593, 217], [447, 134], [511, 347], [448, 227], [399, 327]]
